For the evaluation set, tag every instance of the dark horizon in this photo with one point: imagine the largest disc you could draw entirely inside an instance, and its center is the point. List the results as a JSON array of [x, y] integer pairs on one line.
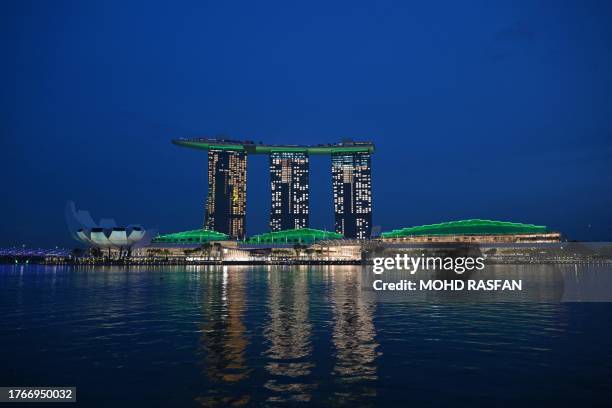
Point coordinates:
[[496, 111]]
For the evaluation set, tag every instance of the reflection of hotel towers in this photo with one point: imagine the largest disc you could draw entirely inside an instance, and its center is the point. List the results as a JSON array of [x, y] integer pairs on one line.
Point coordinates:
[[353, 334], [224, 339], [289, 183], [352, 185], [288, 333], [226, 202]]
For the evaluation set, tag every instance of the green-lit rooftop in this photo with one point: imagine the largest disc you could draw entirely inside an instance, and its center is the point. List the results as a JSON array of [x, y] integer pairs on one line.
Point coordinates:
[[259, 148], [199, 236], [293, 236], [467, 227]]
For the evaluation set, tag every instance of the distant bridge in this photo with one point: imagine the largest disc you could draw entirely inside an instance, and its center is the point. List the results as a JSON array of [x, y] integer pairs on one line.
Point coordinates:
[[22, 254]]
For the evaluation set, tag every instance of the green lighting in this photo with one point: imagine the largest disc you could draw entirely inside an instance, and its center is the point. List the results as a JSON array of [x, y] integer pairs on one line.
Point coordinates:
[[467, 227], [281, 150], [207, 146], [267, 149], [263, 149], [198, 236], [293, 236], [226, 147]]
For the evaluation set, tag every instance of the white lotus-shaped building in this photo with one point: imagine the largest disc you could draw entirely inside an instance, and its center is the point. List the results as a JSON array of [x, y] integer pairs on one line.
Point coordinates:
[[115, 238], [104, 234]]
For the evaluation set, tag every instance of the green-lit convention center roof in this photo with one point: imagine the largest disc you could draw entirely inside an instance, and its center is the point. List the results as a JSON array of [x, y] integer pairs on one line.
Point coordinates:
[[293, 236], [259, 148], [468, 227], [199, 236]]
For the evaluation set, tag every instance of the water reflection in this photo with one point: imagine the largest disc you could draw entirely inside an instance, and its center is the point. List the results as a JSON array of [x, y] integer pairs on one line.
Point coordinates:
[[288, 334], [224, 338], [353, 336]]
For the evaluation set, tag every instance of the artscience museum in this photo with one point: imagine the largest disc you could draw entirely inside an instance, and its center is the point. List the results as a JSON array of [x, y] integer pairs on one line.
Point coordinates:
[[119, 238], [104, 236]]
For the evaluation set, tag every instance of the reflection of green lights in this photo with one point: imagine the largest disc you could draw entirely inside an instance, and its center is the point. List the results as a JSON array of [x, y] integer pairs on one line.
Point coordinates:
[[468, 227], [293, 236], [198, 236]]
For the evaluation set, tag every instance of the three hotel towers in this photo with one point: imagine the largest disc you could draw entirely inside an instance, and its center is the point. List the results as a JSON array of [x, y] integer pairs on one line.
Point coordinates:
[[289, 177]]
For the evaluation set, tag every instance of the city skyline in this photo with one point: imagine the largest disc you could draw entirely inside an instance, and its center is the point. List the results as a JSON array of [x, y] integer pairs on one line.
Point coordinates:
[[486, 112], [346, 203]]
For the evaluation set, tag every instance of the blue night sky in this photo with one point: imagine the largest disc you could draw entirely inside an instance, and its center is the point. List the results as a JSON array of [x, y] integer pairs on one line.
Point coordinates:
[[499, 110]]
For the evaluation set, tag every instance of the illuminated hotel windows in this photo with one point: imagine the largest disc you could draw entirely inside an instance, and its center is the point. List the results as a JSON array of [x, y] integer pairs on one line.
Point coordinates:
[[289, 178], [290, 190], [352, 189], [226, 201]]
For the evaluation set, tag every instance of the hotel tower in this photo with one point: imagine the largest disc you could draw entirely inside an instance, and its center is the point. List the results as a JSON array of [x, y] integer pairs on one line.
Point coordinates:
[[290, 184], [352, 187], [226, 201], [290, 195]]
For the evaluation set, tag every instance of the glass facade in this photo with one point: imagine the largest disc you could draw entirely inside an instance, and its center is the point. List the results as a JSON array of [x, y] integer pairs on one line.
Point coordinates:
[[226, 201], [290, 190], [352, 189]]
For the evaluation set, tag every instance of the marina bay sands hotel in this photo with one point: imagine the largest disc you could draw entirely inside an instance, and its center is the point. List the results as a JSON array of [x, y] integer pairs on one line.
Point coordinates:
[[290, 182]]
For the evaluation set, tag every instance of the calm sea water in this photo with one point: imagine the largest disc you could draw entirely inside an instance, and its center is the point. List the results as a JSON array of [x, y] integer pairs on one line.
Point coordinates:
[[219, 336]]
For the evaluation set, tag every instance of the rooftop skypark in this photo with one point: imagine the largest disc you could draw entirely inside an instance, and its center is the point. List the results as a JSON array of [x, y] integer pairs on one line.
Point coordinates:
[[251, 147]]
